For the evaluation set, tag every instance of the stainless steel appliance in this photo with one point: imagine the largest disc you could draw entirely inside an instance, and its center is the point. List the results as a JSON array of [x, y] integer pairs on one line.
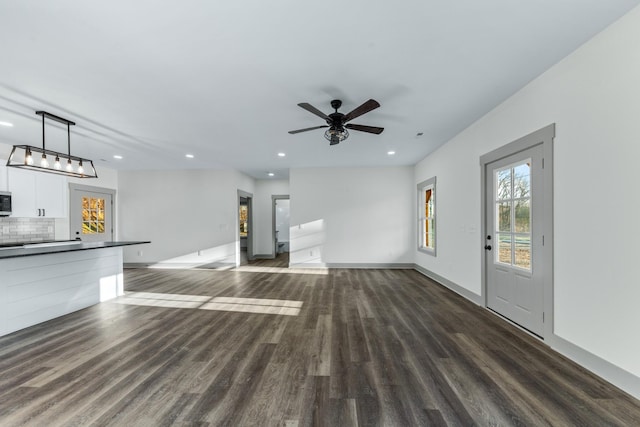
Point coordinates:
[[5, 203]]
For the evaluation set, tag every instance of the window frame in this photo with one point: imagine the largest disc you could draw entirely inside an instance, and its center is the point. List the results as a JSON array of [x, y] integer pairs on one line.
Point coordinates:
[[422, 187]]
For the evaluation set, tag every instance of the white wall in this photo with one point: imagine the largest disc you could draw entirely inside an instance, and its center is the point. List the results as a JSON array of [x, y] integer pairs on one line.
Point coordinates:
[[594, 98], [181, 212], [351, 215], [262, 212]]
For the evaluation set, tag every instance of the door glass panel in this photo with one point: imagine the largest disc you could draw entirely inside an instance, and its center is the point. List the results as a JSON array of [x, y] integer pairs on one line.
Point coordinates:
[[523, 216], [503, 215], [93, 215], [504, 248], [523, 251], [513, 214], [503, 184], [522, 181]]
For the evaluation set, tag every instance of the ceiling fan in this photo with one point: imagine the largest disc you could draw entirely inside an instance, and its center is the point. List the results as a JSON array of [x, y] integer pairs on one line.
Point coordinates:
[[337, 122]]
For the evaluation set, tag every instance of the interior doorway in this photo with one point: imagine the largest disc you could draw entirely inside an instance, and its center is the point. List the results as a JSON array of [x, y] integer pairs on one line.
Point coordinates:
[[245, 228], [91, 213], [280, 213], [517, 231]]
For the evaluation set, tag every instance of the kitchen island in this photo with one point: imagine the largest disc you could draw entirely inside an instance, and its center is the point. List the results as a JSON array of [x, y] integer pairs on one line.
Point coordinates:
[[39, 282]]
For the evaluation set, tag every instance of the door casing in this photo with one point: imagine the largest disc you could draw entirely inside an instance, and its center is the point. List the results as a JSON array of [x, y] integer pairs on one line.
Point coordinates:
[[73, 215], [545, 137]]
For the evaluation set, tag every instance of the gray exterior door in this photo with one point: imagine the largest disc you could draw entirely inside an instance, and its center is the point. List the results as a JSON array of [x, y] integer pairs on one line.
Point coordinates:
[[513, 244], [91, 214]]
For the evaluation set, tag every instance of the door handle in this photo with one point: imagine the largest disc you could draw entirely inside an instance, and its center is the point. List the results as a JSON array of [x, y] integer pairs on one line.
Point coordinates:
[[488, 247]]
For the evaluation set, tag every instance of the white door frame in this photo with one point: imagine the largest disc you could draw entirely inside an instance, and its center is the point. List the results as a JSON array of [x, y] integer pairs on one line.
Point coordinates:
[[81, 187], [545, 137]]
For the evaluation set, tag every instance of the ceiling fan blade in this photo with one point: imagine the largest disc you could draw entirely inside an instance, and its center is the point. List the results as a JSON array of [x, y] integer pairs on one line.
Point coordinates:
[[306, 129], [310, 108], [363, 128], [371, 104]]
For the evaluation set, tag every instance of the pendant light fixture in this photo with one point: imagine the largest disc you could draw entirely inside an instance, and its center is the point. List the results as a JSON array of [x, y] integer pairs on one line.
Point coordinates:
[[22, 156]]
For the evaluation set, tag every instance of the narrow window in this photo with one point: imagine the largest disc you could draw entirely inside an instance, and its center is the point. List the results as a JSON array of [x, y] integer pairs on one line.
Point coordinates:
[[427, 216]]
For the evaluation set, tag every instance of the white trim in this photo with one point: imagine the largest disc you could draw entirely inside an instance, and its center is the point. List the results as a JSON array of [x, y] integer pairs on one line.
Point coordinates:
[[475, 298], [617, 376], [431, 182], [544, 136]]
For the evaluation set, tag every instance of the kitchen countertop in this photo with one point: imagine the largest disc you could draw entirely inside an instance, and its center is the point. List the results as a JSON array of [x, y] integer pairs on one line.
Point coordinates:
[[39, 248]]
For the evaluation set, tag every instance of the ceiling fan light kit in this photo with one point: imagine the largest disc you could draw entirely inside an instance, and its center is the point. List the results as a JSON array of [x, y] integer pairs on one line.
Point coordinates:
[[23, 156], [337, 122]]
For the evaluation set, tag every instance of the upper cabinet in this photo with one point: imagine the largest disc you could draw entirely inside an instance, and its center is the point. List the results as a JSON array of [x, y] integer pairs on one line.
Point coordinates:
[[37, 194], [3, 175]]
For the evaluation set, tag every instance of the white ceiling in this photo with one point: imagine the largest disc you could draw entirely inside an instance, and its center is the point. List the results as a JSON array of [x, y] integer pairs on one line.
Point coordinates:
[[154, 80]]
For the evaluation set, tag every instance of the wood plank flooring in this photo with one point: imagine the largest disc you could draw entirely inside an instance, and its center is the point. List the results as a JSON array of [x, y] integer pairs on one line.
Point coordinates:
[[366, 348]]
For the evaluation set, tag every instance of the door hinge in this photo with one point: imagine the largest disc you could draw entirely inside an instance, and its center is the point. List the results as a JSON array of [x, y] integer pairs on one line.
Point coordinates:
[[543, 240], [543, 317], [543, 163]]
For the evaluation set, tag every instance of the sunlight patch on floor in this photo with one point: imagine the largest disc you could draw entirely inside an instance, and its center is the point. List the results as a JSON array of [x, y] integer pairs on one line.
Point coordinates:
[[203, 302]]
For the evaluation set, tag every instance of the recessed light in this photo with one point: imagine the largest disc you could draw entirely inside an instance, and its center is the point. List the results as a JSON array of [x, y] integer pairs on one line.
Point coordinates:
[[281, 154], [189, 156], [7, 124], [391, 153], [117, 156], [271, 174]]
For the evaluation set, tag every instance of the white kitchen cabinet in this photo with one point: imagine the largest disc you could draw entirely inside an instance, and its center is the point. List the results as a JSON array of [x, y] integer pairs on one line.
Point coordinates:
[[37, 194], [3, 175]]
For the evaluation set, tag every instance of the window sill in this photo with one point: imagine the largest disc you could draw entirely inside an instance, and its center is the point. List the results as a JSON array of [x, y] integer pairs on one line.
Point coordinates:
[[431, 252]]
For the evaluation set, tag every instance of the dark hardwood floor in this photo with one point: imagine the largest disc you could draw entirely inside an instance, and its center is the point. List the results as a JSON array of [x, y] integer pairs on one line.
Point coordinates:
[[293, 348], [280, 261]]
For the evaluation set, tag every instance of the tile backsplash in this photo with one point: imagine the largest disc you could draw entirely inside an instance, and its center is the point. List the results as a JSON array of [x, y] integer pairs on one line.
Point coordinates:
[[27, 229]]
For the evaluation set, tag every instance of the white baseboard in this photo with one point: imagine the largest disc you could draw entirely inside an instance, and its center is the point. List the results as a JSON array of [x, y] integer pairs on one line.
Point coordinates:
[[475, 298], [617, 376]]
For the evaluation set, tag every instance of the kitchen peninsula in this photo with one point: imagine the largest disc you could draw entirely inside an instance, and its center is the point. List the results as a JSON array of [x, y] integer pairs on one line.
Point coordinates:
[[39, 282]]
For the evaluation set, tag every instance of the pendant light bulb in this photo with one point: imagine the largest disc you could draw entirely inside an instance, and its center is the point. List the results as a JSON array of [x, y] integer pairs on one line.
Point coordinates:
[[69, 166], [57, 165], [80, 168], [28, 159], [44, 162]]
